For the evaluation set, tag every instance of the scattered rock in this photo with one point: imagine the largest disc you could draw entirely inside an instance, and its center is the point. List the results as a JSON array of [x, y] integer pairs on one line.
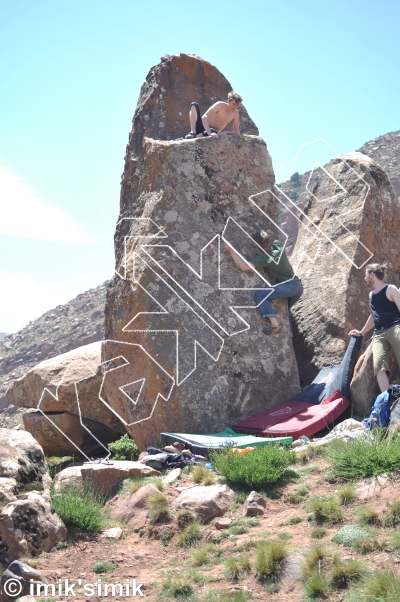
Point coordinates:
[[23, 573], [347, 430], [368, 488], [206, 501], [28, 527], [102, 478], [22, 465], [223, 523], [133, 509], [172, 476], [254, 505], [113, 533]]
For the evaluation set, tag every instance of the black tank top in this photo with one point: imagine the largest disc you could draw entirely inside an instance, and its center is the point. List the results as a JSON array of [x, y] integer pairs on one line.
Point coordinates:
[[384, 312]]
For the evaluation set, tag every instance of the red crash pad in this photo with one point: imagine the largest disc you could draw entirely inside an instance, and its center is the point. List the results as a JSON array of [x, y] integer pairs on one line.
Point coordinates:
[[295, 418]]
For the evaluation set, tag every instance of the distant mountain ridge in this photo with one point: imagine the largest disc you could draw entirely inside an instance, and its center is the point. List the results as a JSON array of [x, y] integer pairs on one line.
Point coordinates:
[[78, 322]]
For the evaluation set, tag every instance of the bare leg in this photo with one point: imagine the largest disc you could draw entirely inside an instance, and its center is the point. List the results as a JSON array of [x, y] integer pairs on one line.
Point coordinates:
[[193, 118], [383, 380], [274, 322]]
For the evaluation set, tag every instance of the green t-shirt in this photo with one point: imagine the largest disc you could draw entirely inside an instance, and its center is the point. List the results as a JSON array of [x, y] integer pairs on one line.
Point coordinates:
[[275, 261]]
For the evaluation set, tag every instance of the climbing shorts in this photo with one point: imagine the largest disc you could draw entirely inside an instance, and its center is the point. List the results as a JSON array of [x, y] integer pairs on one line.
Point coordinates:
[[383, 342]]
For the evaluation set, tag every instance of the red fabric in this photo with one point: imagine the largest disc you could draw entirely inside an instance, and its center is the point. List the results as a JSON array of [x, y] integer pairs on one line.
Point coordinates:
[[305, 419], [283, 411]]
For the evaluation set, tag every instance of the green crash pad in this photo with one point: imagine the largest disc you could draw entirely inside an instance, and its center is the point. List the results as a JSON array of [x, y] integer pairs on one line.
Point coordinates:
[[223, 439]]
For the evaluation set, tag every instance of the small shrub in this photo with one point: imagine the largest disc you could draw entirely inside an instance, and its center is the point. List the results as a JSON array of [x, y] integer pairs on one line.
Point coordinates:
[[292, 521], [394, 512], [312, 559], [157, 508], [191, 535], [316, 585], [324, 509], [382, 586], [302, 489], [80, 508], [57, 464], [201, 555], [344, 573], [184, 518], [176, 589], [269, 558], [347, 494], [284, 535], [262, 466], [365, 456], [235, 567], [350, 535], [124, 449], [318, 533], [366, 546], [396, 541], [367, 515], [103, 567]]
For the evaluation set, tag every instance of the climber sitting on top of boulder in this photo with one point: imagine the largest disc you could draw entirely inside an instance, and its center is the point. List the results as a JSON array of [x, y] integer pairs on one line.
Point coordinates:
[[273, 259], [215, 118]]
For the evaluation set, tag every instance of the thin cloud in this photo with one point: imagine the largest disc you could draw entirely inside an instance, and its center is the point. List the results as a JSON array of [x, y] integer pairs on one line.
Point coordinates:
[[23, 214]]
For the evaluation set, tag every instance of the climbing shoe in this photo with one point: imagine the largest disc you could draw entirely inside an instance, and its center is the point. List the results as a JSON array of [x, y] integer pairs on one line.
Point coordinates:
[[190, 135]]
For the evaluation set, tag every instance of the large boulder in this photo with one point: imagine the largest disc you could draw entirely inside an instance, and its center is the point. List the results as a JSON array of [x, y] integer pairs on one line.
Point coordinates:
[[29, 526], [352, 218], [175, 341], [178, 355], [65, 392], [22, 465], [162, 110]]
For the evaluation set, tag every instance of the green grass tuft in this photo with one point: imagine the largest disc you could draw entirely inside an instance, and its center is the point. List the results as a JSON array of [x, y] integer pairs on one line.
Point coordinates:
[[324, 509], [367, 515], [365, 456], [382, 586], [318, 533], [157, 508], [201, 474], [103, 567], [80, 508], [345, 573], [316, 585], [262, 466], [269, 558], [190, 535], [347, 494]]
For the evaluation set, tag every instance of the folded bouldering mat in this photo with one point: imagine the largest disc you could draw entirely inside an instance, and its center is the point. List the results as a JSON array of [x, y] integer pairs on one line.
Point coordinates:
[[295, 418], [336, 377], [201, 444]]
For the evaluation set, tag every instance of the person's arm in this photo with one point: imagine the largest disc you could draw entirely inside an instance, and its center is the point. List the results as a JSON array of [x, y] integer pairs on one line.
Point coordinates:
[[394, 295], [241, 263], [235, 127], [206, 120], [368, 325]]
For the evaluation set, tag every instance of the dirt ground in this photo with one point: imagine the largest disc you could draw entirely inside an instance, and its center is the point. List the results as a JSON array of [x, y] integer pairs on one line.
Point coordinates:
[[144, 557]]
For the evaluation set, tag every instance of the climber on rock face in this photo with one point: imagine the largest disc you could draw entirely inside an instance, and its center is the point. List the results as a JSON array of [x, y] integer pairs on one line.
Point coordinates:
[[215, 118], [384, 303], [272, 258]]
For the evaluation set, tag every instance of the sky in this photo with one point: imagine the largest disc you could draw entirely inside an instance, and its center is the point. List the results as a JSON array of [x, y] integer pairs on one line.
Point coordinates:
[[71, 74]]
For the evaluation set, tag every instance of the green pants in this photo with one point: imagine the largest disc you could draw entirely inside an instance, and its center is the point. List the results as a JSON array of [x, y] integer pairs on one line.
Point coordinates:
[[383, 342]]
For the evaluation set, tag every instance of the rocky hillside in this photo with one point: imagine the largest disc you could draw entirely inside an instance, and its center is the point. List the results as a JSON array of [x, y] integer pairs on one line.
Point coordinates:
[[78, 322]]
